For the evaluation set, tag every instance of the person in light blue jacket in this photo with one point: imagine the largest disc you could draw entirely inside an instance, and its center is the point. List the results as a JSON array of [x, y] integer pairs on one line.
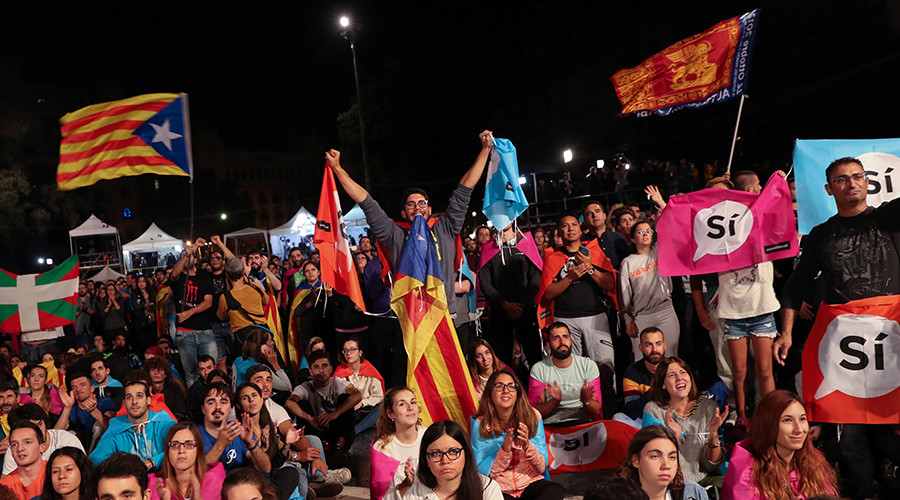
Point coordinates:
[[141, 432]]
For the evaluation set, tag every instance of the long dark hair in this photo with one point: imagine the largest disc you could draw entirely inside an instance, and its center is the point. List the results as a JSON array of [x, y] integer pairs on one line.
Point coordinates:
[[491, 426], [265, 420], [85, 467], [470, 486], [636, 445], [658, 392]]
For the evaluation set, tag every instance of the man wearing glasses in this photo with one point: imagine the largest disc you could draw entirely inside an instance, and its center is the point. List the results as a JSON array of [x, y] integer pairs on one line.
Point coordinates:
[[392, 236], [855, 253]]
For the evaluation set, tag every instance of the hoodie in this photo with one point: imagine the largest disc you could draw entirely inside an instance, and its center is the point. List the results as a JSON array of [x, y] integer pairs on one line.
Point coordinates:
[[145, 440]]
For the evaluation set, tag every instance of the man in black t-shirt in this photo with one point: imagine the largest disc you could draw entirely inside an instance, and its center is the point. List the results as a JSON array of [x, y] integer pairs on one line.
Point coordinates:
[[221, 329], [613, 244], [193, 295]]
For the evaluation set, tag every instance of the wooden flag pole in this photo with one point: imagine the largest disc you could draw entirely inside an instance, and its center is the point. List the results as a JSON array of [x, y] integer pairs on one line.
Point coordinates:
[[734, 138]]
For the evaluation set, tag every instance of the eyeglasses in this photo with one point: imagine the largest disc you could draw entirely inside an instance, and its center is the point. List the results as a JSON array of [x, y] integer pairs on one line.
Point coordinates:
[[188, 445], [645, 231], [216, 257], [512, 386], [420, 203], [437, 456], [350, 349], [845, 179]]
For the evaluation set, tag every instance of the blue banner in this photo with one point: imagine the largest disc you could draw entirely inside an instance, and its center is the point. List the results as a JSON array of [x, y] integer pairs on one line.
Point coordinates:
[[880, 157], [504, 199]]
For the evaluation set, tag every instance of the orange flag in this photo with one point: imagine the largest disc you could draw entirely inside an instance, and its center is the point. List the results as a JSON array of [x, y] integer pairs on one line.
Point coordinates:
[[337, 267]]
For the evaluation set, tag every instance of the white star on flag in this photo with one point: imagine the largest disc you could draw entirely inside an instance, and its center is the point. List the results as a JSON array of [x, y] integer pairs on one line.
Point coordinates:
[[163, 134]]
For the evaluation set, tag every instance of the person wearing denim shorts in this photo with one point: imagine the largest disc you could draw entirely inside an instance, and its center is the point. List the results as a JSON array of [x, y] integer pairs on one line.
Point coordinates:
[[192, 291]]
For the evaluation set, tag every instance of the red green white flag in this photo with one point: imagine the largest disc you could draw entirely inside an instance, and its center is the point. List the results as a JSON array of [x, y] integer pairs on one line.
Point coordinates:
[[31, 302]]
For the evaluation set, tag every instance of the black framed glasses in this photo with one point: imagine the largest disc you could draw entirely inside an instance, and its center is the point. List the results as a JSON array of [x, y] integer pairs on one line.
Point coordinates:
[[842, 180], [644, 231], [512, 386], [188, 445], [420, 203], [437, 456], [350, 349]]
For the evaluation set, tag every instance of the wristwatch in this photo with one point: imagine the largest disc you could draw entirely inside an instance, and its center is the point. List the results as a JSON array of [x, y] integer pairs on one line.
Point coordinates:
[[591, 271]]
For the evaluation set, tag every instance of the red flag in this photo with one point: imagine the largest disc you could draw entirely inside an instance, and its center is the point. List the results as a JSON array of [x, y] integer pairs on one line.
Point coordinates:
[[334, 248], [851, 363], [591, 446]]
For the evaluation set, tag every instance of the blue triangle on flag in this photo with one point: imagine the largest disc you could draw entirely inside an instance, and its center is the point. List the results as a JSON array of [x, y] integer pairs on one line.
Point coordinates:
[[165, 133]]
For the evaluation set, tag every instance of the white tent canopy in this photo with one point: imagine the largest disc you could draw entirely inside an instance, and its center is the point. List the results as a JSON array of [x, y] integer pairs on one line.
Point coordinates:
[[106, 274], [296, 232], [92, 226], [153, 239], [355, 217], [247, 231]]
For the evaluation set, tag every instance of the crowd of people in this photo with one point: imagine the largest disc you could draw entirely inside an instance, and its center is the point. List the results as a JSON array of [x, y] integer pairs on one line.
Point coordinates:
[[172, 385]]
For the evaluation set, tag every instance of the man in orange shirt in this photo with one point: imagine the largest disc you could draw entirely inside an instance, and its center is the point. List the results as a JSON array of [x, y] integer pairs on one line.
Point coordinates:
[[26, 443]]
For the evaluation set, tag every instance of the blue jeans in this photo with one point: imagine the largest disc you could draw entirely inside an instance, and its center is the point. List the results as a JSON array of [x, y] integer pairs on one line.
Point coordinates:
[[369, 420], [222, 332], [192, 344]]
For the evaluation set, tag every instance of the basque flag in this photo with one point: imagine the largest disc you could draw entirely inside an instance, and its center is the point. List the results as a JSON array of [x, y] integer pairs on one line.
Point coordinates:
[[437, 372], [31, 302]]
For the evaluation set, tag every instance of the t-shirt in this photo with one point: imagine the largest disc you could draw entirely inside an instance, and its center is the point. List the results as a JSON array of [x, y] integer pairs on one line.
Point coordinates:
[[323, 399], [233, 454], [636, 387], [276, 412], [582, 298], [21, 491], [83, 421], [190, 296], [252, 299], [613, 244], [56, 439], [747, 292], [219, 284], [401, 452], [570, 380]]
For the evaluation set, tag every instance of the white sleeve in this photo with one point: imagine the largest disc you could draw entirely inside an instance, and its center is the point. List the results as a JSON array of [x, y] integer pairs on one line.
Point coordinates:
[[277, 412], [8, 464], [66, 438]]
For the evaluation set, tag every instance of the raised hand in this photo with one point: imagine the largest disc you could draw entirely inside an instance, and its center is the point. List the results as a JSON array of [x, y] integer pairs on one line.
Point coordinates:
[[67, 400], [333, 157], [487, 139], [162, 489], [554, 391], [215, 240], [409, 471], [246, 428], [671, 423], [521, 436], [507, 440], [293, 435], [587, 393], [228, 430], [717, 420]]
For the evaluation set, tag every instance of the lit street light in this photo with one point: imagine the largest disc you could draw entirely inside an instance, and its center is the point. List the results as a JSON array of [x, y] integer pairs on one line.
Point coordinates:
[[567, 156], [40, 260], [223, 216], [49, 262], [349, 35]]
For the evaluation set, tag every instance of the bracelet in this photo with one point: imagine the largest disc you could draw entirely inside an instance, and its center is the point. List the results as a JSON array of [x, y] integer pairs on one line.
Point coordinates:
[[713, 446], [255, 446]]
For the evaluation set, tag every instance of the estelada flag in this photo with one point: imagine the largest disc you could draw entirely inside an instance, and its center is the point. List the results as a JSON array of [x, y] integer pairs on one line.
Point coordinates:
[[331, 240], [146, 134], [715, 230], [31, 302], [554, 262], [851, 363], [704, 69], [590, 446], [437, 371]]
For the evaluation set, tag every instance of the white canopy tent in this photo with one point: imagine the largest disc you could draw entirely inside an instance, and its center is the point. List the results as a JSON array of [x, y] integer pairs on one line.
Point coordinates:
[[355, 222], [296, 232], [153, 241], [248, 233], [106, 274], [96, 244]]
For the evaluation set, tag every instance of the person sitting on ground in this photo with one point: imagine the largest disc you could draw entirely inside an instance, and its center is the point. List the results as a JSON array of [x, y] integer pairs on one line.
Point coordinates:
[[106, 386], [184, 473], [360, 373], [246, 483], [564, 387], [172, 389], [229, 442], [122, 476], [652, 461], [68, 476], [259, 348], [778, 459], [482, 363], [396, 447], [83, 409], [325, 405], [675, 402], [509, 443], [53, 438], [157, 400], [638, 376], [42, 393], [26, 445], [446, 469], [141, 432]]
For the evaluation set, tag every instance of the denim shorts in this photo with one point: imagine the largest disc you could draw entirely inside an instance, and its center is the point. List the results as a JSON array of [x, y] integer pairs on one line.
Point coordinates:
[[760, 326]]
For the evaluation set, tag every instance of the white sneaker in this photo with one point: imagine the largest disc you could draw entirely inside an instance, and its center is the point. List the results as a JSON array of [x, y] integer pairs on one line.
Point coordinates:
[[341, 475]]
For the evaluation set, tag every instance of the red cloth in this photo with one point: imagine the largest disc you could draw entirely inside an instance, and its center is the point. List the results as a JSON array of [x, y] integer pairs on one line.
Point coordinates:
[[366, 369], [553, 264]]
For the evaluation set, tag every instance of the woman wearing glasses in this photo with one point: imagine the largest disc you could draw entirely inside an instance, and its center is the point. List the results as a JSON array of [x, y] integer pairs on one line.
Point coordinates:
[[184, 472], [365, 377], [446, 469], [645, 296], [508, 441]]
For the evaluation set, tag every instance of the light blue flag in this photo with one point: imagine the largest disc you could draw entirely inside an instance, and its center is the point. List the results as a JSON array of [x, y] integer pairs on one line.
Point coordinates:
[[504, 199], [880, 157]]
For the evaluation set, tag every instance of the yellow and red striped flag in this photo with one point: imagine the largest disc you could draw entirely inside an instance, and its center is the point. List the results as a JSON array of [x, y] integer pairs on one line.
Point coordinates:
[[437, 371], [147, 134]]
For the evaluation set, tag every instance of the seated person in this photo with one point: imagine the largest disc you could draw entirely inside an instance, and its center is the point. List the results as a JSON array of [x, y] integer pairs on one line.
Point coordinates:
[[141, 432], [639, 375], [26, 444], [259, 348], [652, 462], [325, 404], [229, 441], [83, 409], [157, 400], [173, 390], [564, 387], [106, 386], [185, 473], [360, 373], [53, 438], [122, 475], [396, 447]]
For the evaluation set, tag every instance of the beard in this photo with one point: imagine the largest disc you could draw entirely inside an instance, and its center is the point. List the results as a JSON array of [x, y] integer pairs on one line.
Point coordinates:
[[654, 358], [561, 354]]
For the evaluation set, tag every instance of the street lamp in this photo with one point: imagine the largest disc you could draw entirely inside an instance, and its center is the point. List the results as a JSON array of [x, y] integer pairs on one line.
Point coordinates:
[[223, 216], [49, 262], [567, 156], [349, 35], [40, 260]]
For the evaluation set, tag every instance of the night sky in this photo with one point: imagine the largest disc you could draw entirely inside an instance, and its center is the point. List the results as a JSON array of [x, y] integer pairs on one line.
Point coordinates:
[[274, 76]]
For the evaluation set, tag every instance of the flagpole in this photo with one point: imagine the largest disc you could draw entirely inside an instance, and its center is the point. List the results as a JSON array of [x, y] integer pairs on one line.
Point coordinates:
[[734, 138], [190, 154]]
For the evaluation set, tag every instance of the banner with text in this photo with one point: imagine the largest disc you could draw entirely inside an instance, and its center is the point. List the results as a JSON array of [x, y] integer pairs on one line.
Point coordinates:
[[715, 230], [880, 158], [590, 446], [851, 363]]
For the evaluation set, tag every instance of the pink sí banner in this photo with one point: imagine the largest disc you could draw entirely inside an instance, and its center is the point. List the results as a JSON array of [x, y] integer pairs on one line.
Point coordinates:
[[714, 230]]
